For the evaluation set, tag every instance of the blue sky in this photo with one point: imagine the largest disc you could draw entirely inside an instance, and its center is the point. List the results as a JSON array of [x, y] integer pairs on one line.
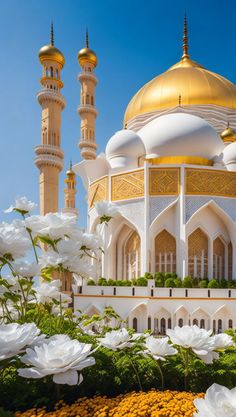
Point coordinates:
[[134, 41]]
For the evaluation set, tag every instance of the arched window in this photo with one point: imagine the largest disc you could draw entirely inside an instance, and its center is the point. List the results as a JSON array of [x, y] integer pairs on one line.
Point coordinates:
[[230, 261], [230, 325], [219, 326], [149, 323], [87, 99], [57, 74], [51, 71], [156, 329], [198, 254], [163, 326], [214, 326], [165, 252], [92, 101], [132, 256], [135, 324], [46, 72], [169, 324], [195, 322], [218, 259], [181, 323], [202, 324]]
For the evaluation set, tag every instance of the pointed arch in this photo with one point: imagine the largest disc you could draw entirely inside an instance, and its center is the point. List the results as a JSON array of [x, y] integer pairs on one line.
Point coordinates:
[[198, 253], [165, 252], [131, 256], [218, 258]]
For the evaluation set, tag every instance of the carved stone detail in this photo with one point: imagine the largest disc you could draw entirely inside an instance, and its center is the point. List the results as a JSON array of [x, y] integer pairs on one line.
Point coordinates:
[[164, 181], [210, 182], [127, 186], [98, 191]]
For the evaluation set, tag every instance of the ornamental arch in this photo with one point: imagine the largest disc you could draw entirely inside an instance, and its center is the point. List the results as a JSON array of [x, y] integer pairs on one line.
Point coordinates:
[[165, 252], [198, 253]]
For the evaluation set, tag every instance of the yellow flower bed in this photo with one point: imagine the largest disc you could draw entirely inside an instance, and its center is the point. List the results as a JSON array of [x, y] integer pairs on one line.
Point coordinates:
[[141, 404]]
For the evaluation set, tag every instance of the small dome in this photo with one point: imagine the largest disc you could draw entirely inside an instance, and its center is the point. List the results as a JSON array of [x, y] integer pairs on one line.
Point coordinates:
[[124, 148], [229, 156], [86, 55], [50, 53], [180, 134], [228, 135]]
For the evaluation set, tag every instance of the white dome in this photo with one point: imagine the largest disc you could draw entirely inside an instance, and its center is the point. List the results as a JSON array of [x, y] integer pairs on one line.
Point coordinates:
[[124, 148], [229, 156], [180, 134]]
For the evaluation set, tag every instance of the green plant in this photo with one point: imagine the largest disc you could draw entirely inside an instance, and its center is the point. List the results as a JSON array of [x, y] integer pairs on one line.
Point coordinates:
[[148, 275], [170, 283], [188, 282], [141, 282], [91, 282], [203, 283], [178, 282], [213, 283], [102, 281], [223, 283], [232, 284]]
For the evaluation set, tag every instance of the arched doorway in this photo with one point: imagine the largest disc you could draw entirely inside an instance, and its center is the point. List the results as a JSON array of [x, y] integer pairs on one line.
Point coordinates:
[[132, 256], [165, 252], [198, 254], [218, 259]]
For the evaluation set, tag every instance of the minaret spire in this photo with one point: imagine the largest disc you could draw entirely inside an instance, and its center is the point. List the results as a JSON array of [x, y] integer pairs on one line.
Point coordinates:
[[87, 39], [52, 34], [185, 38]]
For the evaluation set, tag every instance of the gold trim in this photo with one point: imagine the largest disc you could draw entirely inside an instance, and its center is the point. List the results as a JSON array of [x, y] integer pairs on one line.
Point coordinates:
[[164, 181], [59, 82], [191, 160], [127, 185], [97, 191], [156, 298], [210, 182]]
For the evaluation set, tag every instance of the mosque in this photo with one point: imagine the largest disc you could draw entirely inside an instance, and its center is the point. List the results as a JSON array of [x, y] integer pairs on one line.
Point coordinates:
[[171, 173]]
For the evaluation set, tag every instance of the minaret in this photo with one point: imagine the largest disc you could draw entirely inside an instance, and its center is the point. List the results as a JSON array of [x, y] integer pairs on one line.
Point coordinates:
[[49, 156], [70, 192], [87, 110]]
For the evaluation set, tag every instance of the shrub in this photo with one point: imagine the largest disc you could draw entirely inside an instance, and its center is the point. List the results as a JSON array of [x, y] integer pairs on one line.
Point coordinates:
[[223, 283], [159, 279], [195, 282], [188, 282], [102, 281], [232, 284], [148, 275], [168, 275], [203, 283], [213, 283], [170, 282], [178, 282], [141, 282], [91, 282]]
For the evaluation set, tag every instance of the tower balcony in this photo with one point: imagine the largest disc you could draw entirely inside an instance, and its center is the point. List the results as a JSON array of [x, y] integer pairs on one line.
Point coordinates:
[[87, 76], [47, 94], [87, 108], [48, 155]]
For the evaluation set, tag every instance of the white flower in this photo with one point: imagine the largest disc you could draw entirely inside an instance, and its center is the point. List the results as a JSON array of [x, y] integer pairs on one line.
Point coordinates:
[[118, 339], [26, 269], [60, 357], [222, 341], [54, 225], [219, 401], [193, 337], [23, 205], [159, 348], [46, 292], [14, 239], [106, 211], [14, 338]]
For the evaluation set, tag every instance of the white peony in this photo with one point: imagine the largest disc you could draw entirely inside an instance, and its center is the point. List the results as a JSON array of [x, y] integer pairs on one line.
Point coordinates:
[[14, 239], [219, 401], [222, 341], [54, 225], [58, 356], [23, 205], [159, 348], [14, 338], [199, 340], [46, 292], [106, 211], [118, 339], [26, 269]]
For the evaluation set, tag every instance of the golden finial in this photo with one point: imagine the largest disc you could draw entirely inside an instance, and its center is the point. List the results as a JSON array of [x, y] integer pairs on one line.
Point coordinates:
[[180, 98], [87, 38], [52, 35], [185, 38]]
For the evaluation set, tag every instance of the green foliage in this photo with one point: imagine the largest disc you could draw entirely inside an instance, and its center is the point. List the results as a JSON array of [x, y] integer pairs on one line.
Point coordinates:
[[232, 284], [178, 282], [203, 283], [147, 275], [91, 282], [188, 282], [170, 283], [141, 282], [213, 283]]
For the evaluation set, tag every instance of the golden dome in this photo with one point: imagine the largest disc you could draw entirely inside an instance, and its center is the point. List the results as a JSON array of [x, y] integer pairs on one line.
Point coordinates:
[[228, 135], [86, 55], [70, 171], [51, 53], [186, 82]]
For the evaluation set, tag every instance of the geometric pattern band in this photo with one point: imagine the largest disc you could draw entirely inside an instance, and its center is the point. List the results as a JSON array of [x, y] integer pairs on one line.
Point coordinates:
[[210, 182]]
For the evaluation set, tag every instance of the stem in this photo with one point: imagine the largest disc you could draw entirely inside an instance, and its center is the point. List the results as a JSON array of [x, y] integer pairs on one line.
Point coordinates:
[[32, 241], [162, 376], [136, 373], [57, 392]]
